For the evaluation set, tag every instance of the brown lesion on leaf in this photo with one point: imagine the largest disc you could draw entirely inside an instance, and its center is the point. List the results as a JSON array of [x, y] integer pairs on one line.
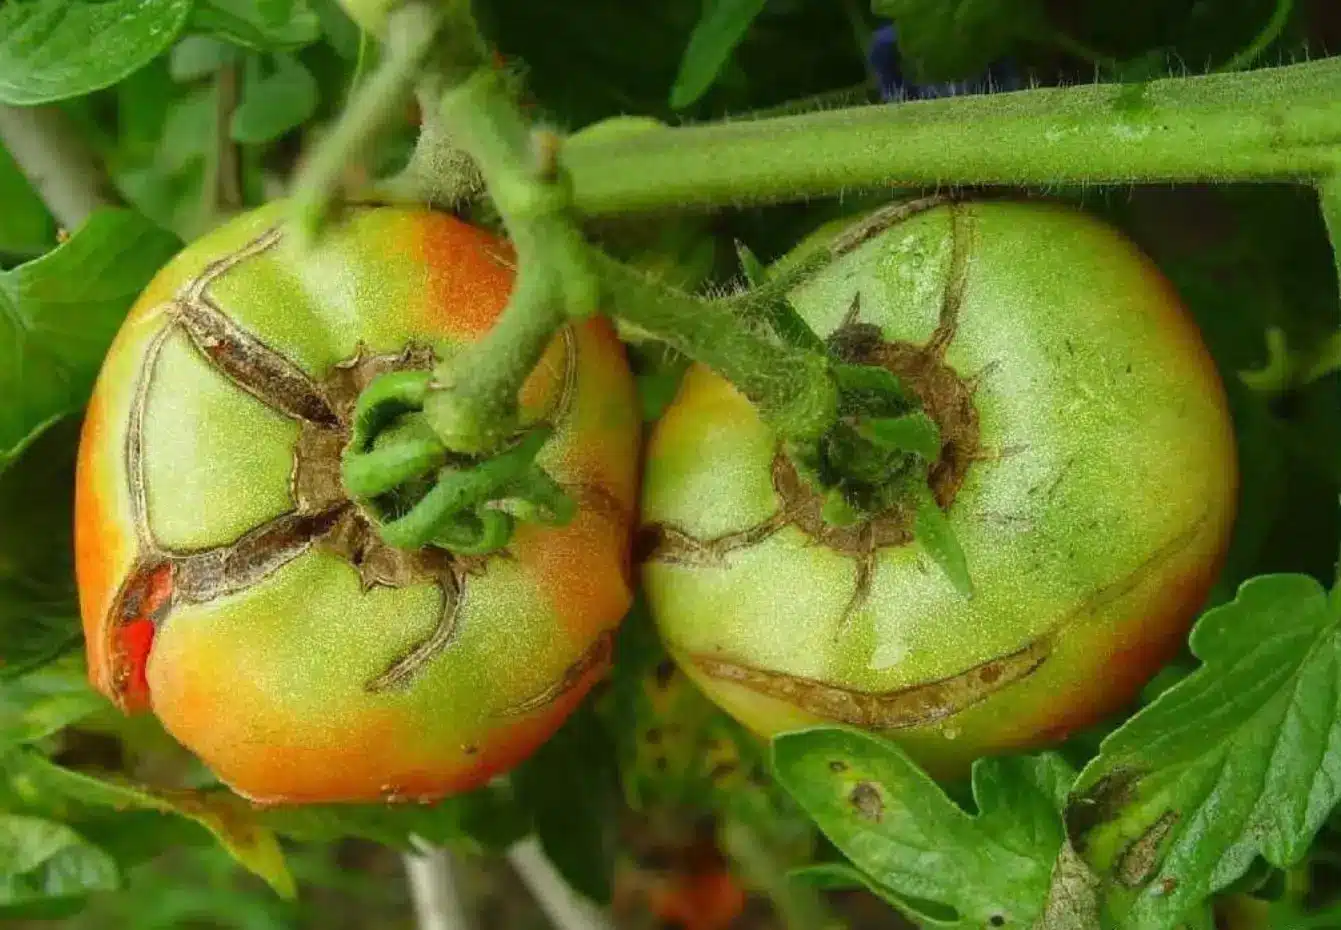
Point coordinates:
[[595, 656], [1103, 801], [322, 515], [867, 802], [1139, 861], [902, 708]]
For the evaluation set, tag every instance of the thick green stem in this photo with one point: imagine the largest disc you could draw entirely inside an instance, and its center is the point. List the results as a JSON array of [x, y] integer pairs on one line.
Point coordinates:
[[473, 406], [561, 276], [1275, 123], [791, 386]]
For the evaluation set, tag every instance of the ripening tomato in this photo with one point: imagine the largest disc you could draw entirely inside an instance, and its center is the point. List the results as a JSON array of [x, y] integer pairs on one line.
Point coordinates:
[[228, 583], [1087, 469]]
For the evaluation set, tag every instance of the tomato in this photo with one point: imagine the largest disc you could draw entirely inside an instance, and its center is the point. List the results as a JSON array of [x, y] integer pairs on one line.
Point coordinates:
[[1087, 469], [228, 584]]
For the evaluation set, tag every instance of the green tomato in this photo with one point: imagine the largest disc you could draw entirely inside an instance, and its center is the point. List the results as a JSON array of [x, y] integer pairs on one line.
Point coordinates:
[[1087, 469]]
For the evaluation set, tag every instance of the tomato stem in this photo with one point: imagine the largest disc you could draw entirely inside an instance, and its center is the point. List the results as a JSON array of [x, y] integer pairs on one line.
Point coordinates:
[[1271, 124]]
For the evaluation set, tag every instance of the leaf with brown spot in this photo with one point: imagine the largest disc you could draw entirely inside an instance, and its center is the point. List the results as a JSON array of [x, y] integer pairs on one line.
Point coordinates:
[[1240, 759], [943, 866]]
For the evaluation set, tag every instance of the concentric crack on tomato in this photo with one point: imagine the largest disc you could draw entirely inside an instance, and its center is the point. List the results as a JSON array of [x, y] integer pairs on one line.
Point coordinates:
[[303, 658]]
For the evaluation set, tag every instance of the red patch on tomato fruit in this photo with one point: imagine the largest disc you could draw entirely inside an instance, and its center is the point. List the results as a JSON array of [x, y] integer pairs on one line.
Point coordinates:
[[470, 273], [146, 598]]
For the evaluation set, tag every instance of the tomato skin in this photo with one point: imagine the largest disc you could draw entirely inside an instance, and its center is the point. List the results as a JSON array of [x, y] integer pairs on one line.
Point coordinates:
[[277, 683], [1094, 513]]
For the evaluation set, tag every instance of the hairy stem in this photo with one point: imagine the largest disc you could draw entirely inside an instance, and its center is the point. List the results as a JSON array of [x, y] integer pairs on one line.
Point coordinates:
[[1275, 123], [55, 161], [791, 386], [562, 276], [473, 405]]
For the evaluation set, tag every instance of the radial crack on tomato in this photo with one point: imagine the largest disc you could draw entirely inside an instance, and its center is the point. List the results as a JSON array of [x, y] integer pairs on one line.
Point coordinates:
[[199, 577], [251, 364], [404, 669], [279, 637], [961, 234], [665, 543], [861, 590], [597, 656], [918, 705]]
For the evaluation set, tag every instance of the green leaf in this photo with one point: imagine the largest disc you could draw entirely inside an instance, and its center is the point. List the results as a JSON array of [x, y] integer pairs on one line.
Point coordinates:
[[233, 821], [898, 827], [865, 389], [26, 227], [44, 701], [913, 432], [719, 30], [753, 269], [945, 40], [1242, 758], [55, 49], [341, 32], [196, 57], [252, 25], [40, 860], [276, 103], [841, 876], [571, 789], [937, 538], [58, 315], [39, 616]]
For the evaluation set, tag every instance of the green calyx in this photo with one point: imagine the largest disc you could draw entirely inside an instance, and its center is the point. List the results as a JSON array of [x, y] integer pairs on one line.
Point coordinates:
[[421, 494], [876, 459]]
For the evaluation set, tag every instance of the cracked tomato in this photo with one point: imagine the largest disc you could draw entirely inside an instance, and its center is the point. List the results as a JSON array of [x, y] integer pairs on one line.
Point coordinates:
[[227, 582], [1088, 470]]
